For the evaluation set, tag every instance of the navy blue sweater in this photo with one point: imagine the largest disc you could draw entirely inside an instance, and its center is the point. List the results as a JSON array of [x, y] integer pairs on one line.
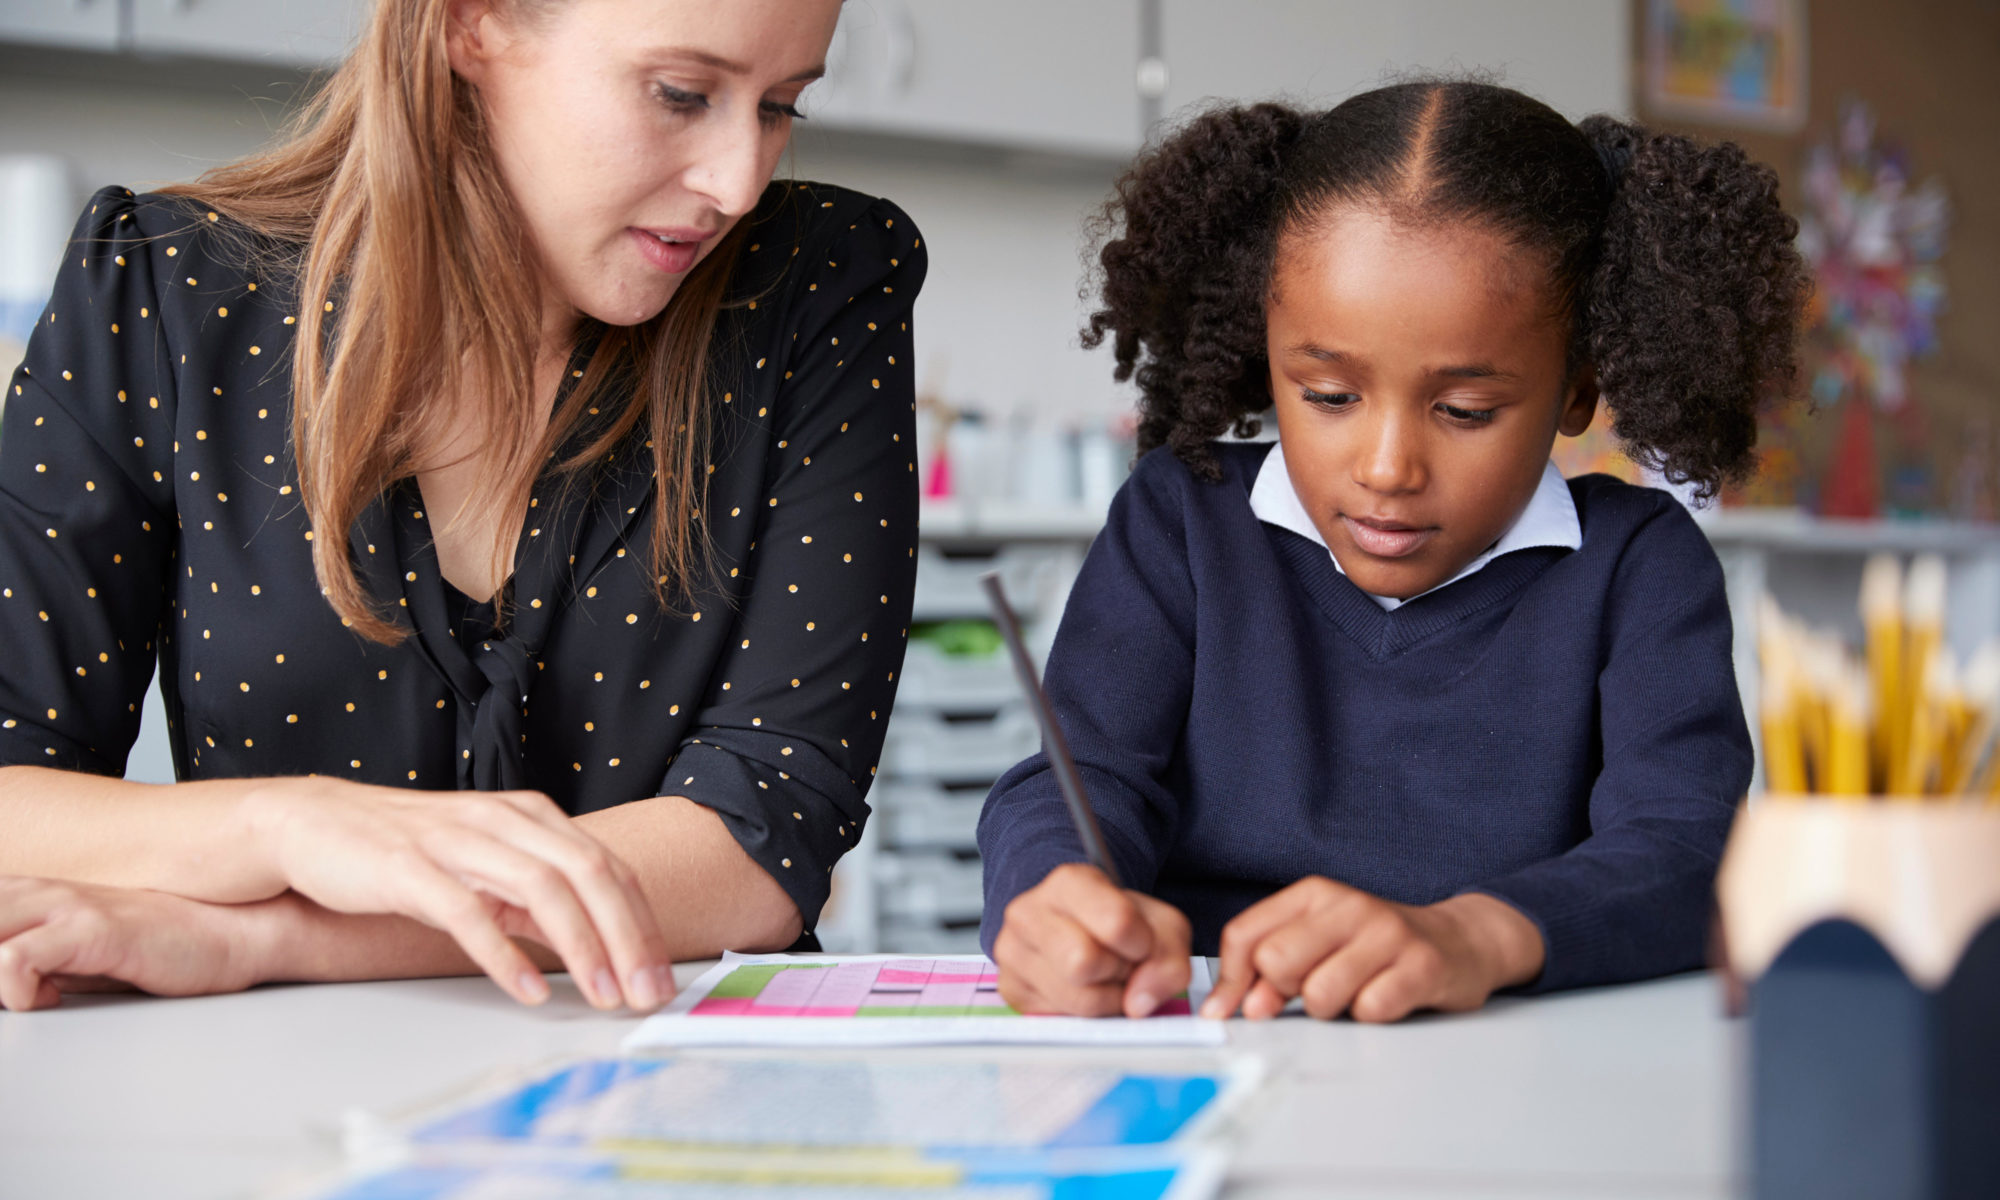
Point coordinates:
[[1560, 729]]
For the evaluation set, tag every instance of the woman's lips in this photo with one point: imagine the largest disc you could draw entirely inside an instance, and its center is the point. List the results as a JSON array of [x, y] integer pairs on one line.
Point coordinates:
[[674, 257], [1386, 539]]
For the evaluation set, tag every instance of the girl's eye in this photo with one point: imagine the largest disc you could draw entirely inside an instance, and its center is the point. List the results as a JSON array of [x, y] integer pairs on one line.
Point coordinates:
[[1467, 416], [1329, 400]]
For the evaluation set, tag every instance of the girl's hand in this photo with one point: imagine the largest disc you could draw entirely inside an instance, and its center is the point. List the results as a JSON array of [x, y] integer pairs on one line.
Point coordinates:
[[1343, 950], [479, 865], [58, 937], [1076, 944]]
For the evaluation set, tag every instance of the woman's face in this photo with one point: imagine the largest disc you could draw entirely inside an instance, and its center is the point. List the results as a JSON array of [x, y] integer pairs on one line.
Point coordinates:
[[633, 134], [1419, 381]]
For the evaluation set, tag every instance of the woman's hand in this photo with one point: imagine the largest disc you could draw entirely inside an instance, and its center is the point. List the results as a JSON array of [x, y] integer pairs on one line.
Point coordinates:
[[1074, 943], [58, 937], [481, 866], [1343, 950]]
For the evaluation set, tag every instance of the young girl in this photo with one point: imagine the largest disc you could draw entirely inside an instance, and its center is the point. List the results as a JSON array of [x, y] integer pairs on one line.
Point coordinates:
[[1388, 713]]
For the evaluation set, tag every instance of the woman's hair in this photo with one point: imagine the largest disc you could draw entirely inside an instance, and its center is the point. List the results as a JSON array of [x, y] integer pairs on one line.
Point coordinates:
[[387, 206], [1670, 259]]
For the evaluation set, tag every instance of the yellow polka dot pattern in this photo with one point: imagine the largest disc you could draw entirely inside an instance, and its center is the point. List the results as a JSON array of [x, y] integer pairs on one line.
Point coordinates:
[[148, 430]]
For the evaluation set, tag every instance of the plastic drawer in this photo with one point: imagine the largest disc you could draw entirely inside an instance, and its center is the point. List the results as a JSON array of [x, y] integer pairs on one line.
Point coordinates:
[[925, 815], [931, 888], [948, 585], [959, 749], [925, 937], [933, 679]]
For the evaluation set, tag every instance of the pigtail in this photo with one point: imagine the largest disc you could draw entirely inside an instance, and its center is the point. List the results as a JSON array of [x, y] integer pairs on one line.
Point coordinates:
[[1692, 309], [1183, 281]]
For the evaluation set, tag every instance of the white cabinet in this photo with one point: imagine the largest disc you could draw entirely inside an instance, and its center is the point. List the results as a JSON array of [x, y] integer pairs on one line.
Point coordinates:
[[1574, 54], [84, 24], [1048, 74], [299, 33]]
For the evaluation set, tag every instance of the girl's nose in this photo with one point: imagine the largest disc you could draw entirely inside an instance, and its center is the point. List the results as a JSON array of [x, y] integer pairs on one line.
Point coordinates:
[[1391, 460]]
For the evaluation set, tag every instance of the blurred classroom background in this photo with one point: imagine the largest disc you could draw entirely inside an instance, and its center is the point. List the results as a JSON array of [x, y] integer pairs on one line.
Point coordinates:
[[1001, 128]]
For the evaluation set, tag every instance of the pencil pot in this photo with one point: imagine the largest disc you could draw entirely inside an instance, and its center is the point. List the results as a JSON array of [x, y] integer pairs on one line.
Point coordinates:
[[1868, 937]]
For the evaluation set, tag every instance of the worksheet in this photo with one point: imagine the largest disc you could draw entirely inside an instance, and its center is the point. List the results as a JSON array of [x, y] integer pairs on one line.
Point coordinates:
[[899, 1108], [1188, 1177], [891, 1000]]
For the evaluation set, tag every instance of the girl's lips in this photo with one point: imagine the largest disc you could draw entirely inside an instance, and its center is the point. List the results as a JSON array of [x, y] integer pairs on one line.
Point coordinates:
[[1391, 542], [675, 258]]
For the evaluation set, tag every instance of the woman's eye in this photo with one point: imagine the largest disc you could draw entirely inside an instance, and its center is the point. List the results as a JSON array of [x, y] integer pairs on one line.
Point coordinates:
[[678, 100], [1332, 400], [771, 112], [1467, 416]]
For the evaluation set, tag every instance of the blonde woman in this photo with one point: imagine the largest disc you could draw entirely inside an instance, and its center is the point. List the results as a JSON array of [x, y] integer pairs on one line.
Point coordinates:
[[514, 485]]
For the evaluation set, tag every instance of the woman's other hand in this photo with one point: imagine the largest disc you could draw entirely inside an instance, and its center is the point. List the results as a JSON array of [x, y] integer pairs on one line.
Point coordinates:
[[484, 867], [1339, 949], [58, 937], [1076, 943]]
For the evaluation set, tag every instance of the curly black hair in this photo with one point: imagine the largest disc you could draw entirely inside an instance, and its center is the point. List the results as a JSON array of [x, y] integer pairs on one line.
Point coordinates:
[[1671, 258]]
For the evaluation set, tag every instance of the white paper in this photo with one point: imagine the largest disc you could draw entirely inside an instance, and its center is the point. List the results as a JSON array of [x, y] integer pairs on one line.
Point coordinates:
[[829, 1001]]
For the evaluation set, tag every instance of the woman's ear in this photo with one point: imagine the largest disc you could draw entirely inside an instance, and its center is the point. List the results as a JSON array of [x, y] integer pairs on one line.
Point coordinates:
[[1581, 406], [472, 38]]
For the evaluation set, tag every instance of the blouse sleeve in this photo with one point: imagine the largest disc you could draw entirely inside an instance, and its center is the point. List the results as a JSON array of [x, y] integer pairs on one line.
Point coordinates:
[[86, 524], [792, 726]]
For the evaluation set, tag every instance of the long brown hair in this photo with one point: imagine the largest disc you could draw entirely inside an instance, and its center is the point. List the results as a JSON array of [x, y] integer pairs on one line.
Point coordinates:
[[385, 202]]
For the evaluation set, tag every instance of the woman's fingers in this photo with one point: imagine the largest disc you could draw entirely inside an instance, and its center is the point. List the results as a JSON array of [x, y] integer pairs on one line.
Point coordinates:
[[450, 905], [623, 952], [27, 959], [532, 884]]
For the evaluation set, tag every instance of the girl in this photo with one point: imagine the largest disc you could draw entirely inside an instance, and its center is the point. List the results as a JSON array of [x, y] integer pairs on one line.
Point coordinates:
[[1388, 713], [515, 486]]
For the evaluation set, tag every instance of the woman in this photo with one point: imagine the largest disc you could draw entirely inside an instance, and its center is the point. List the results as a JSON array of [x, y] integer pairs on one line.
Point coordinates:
[[619, 435]]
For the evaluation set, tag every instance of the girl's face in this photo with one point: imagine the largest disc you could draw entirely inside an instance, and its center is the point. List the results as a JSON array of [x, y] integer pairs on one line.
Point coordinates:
[[1419, 381], [633, 134]]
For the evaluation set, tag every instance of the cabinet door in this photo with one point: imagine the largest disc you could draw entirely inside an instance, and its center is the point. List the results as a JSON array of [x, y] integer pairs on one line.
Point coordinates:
[[1574, 54], [88, 24], [305, 33], [1054, 74]]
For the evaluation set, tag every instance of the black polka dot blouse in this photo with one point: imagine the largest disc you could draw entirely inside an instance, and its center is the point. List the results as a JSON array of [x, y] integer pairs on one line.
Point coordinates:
[[149, 509]]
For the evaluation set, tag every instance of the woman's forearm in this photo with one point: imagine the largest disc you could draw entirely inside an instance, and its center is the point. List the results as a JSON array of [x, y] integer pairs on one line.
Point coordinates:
[[198, 839]]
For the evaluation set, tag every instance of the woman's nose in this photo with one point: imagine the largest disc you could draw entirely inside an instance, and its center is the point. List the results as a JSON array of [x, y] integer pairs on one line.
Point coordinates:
[[731, 168]]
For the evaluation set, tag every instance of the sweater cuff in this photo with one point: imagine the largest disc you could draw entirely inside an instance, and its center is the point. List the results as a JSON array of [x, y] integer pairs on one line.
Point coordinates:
[[1575, 936]]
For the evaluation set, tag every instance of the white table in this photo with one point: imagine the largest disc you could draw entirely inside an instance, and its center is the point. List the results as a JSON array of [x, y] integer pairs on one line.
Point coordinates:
[[1616, 1093]]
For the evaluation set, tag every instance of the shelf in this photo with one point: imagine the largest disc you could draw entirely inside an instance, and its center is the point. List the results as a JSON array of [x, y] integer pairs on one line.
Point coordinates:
[[1007, 520], [1787, 529]]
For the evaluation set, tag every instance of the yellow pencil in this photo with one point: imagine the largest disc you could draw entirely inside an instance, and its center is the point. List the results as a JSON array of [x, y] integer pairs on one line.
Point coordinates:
[[1882, 622], [1980, 745], [1923, 611], [1847, 736]]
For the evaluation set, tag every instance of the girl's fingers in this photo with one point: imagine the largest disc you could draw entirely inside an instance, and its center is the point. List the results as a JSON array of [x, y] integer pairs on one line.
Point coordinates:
[[1416, 979], [1167, 971], [533, 884], [1240, 938], [1331, 987], [1105, 910], [1263, 1002], [1289, 953], [449, 905]]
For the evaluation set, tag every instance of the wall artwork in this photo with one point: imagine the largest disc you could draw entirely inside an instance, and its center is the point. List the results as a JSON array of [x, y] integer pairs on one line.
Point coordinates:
[[1728, 62]]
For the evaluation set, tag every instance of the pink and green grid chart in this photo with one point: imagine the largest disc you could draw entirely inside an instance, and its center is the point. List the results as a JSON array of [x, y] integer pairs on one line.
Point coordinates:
[[901, 987]]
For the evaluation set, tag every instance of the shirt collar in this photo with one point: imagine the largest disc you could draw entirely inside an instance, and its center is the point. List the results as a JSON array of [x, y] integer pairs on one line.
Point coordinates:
[[1548, 520]]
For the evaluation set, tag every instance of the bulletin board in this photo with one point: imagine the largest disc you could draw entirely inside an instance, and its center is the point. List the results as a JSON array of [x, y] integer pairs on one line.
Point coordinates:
[[1927, 73]]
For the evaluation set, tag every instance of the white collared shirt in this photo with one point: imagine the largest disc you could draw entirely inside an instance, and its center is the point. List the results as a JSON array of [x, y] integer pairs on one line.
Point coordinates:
[[1548, 520]]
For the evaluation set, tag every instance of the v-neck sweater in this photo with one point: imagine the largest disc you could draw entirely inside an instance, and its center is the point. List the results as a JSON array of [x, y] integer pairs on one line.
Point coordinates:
[[1560, 730], [149, 510]]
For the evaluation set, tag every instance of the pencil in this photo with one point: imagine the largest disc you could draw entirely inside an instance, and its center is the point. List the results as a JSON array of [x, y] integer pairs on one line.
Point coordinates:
[[1847, 735], [1882, 623], [1923, 611], [1060, 762]]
